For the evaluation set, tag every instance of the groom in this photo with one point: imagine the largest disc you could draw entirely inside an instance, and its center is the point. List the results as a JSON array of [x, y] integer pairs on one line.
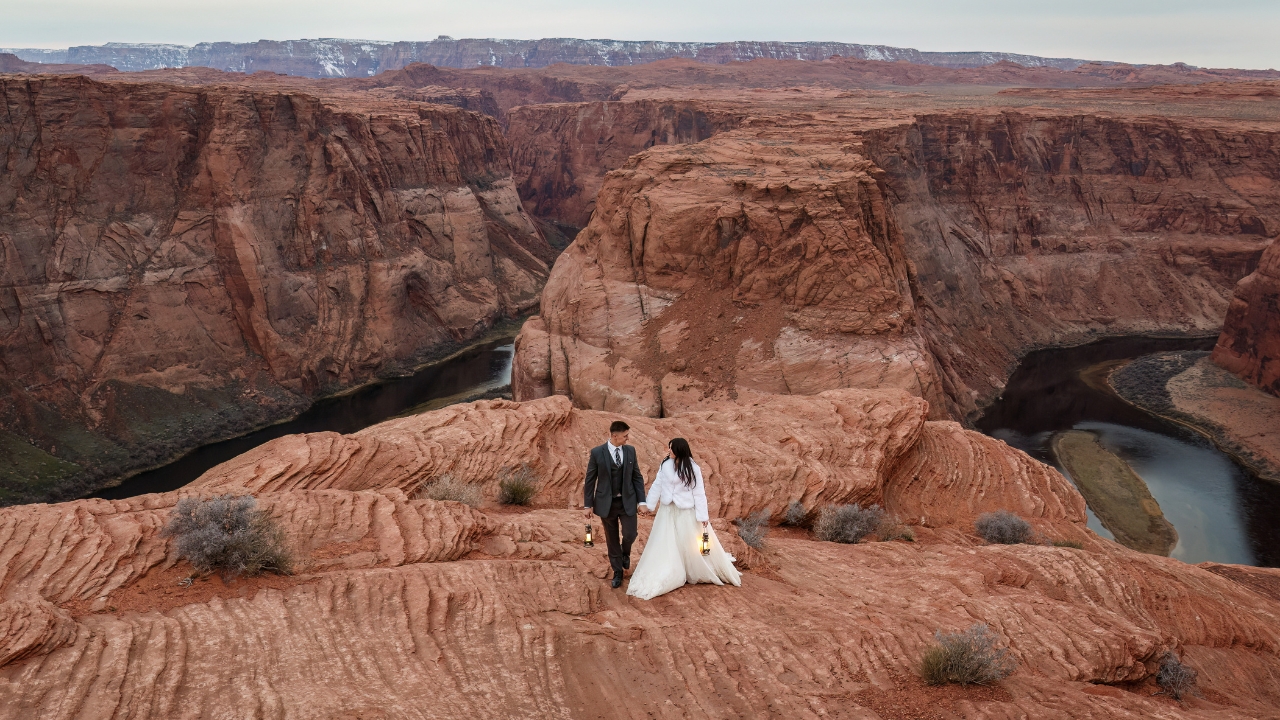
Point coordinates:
[[613, 489]]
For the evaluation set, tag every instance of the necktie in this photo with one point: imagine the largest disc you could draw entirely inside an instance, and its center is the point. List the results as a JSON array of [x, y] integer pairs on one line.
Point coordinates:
[[617, 456]]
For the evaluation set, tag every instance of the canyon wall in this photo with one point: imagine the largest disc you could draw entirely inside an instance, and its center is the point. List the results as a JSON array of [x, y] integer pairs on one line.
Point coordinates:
[[561, 151], [183, 263], [974, 236], [1250, 342], [1038, 229]]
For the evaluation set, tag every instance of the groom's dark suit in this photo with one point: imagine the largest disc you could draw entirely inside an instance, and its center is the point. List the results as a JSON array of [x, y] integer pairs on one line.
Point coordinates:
[[614, 490]]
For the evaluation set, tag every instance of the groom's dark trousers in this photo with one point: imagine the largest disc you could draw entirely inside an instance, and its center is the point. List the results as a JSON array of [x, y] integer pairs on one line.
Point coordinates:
[[614, 491]]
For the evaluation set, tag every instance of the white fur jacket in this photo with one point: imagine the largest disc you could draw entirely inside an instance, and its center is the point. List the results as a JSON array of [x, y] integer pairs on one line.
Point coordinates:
[[667, 488]]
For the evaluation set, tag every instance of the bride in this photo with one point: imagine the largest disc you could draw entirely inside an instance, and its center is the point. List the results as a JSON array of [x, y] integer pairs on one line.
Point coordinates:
[[672, 556]]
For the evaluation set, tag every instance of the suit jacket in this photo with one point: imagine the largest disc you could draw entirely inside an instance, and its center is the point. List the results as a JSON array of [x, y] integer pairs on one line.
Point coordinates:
[[595, 491]]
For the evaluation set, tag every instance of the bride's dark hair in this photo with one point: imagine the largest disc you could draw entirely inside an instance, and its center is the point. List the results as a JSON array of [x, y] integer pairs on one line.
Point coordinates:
[[683, 458]]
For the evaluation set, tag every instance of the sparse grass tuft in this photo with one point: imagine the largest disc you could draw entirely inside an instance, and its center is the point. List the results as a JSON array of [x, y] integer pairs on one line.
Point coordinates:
[[797, 514], [848, 523], [1003, 528], [1175, 678], [1069, 543], [517, 486], [446, 487], [753, 528], [966, 658], [228, 535]]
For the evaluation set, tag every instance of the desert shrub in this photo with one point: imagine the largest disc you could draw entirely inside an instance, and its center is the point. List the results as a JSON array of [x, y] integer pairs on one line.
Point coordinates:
[[446, 487], [1068, 543], [848, 523], [966, 658], [1175, 678], [895, 530], [517, 486], [1003, 528], [228, 535], [753, 528], [797, 514]]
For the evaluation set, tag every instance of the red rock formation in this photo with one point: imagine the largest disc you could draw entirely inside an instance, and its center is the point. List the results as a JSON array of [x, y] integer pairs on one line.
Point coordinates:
[[10, 63], [1250, 342], [184, 262], [1006, 231], [743, 264], [1029, 230], [403, 604], [561, 151]]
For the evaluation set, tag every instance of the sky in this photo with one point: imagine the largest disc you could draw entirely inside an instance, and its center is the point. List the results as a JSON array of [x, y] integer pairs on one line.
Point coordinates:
[[1221, 33]]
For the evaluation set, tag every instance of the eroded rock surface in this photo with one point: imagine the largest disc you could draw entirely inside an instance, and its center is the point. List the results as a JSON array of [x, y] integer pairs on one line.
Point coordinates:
[[183, 263], [1250, 342], [746, 263], [415, 608]]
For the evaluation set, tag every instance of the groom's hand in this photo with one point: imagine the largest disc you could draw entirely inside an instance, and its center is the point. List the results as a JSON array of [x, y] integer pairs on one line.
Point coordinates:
[[586, 513]]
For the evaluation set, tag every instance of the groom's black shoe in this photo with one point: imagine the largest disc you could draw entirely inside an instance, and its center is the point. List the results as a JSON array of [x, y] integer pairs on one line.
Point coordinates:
[[626, 563], [617, 580]]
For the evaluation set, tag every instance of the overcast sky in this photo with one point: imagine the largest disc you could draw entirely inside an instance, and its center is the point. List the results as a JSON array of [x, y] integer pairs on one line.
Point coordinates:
[[1221, 33]]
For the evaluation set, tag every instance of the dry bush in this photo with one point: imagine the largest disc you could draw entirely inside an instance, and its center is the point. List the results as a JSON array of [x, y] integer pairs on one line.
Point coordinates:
[[517, 486], [966, 658], [1174, 678], [797, 514], [753, 528], [896, 530], [1003, 528], [848, 523], [446, 487], [228, 535]]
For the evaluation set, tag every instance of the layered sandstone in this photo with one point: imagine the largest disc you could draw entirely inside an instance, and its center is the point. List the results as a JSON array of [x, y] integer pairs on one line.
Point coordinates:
[[747, 263], [1037, 229], [972, 236], [561, 151], [415, 608], [1250, 342], [180, 263]]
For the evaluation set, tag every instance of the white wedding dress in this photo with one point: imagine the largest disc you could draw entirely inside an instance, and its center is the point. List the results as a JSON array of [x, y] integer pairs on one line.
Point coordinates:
[[672, 556]]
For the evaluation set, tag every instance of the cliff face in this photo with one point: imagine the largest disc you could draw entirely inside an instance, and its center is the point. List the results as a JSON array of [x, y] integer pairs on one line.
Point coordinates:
[[411, 608], [1030, 230], [560, 152], [749, 263], [183, 263], [1005, 231], [1250, 342]]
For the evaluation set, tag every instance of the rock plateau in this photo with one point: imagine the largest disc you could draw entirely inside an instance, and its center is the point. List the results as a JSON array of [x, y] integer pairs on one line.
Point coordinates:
[[410, 608]]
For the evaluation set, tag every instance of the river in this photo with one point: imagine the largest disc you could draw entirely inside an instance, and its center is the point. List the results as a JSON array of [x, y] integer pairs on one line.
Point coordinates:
[[472, 372], [1222, 512]]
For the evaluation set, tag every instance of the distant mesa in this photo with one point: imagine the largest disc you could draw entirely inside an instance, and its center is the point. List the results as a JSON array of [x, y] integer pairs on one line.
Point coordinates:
[[330, 57]]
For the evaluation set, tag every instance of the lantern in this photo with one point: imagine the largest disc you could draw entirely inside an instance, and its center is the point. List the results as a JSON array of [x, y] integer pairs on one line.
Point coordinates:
[[586, 541], [705, 545]]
